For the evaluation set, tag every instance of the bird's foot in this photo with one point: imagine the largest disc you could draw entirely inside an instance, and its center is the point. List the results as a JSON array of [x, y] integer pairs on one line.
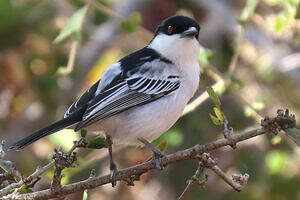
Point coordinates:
[[157, 153], [113, 171]]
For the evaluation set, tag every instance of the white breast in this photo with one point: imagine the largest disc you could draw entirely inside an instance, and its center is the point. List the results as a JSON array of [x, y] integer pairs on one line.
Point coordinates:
[[153, 119]]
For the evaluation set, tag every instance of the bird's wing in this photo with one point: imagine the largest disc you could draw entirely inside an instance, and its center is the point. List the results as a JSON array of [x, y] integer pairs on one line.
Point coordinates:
[[137, 87], [108, 80], [82, 100]]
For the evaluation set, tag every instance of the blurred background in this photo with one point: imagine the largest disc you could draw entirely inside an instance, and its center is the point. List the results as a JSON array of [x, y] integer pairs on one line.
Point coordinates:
[[250, 54]]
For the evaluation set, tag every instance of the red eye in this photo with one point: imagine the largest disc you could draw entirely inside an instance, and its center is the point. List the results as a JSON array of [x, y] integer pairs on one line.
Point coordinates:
[[170, 29]]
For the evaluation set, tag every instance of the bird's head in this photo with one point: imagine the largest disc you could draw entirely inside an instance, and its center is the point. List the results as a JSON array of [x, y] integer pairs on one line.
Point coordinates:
[[177, 37]]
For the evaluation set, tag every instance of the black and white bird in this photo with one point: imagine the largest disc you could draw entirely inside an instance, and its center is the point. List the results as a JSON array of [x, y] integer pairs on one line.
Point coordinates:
[[143, 94]]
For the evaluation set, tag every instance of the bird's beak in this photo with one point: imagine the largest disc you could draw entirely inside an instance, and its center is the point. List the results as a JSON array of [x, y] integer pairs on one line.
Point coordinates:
[[192, 31]]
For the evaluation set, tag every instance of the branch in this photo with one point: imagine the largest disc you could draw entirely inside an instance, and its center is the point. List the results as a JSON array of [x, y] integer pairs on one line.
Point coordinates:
[[235, 182], [39, 171], [194, 179], [131, 174]]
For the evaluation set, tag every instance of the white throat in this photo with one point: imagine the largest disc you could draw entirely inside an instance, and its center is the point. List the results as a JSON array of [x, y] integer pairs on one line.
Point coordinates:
[[179, 50], [184, 53]]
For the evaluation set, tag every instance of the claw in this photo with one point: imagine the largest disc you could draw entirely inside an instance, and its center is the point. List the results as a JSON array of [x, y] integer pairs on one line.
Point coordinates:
[[157, 158], [113, 171]]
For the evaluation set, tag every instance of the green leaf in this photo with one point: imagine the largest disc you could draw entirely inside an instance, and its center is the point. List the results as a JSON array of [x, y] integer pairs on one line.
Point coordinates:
[[131, 24], [83, 133], [85, 195], [215, 120], [163, 145], [97, 143], [294, 134], [248, 11], [219, 113], [6, 165], [73, 26], [213, 96], [24, 189]]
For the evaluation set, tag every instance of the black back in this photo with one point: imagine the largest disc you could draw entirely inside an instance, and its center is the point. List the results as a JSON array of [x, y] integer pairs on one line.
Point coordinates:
[[133, 61]]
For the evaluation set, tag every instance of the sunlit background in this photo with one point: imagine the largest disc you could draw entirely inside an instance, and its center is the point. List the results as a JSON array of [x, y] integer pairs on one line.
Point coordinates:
[[250, 54]]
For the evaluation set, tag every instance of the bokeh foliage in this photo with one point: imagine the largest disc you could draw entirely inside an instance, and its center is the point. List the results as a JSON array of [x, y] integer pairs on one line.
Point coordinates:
[[34, 94]]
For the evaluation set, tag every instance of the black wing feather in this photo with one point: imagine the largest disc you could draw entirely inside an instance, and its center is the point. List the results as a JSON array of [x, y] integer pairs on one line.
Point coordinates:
[[82, 100]]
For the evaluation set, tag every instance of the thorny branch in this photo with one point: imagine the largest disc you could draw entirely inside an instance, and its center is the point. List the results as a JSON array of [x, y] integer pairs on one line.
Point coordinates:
[[282, 121], [235, 183], [34, 177], [194, 179]]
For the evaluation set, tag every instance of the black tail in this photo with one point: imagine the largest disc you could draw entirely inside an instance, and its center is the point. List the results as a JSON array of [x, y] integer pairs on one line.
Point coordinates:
[[57, 126]]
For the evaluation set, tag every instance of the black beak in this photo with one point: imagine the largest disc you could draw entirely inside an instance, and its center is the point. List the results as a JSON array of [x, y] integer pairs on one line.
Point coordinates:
[[192, 31]]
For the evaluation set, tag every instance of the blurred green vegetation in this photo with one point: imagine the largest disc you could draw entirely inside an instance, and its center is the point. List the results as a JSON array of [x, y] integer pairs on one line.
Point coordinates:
[[33, 93]]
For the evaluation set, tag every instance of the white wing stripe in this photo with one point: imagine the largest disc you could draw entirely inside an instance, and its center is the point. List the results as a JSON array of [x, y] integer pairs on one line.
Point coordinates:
[[115, 93], [137, 82]]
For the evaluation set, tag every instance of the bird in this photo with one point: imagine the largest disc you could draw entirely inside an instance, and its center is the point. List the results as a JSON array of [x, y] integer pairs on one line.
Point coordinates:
[[142, 95]]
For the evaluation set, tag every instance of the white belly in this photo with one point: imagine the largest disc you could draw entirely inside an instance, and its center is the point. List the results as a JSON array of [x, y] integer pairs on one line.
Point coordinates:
[[148, 121]]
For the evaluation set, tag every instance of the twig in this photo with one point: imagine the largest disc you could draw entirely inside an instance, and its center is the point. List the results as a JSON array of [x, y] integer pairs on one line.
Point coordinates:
[[9, 175], [194, 179], [211, 164], [71, 61], [281, 121], [61, 161], [39, 171], [73, 51], [228, 133]]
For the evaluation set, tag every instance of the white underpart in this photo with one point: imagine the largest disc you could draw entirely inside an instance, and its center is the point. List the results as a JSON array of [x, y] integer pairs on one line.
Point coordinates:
[[153, 119]]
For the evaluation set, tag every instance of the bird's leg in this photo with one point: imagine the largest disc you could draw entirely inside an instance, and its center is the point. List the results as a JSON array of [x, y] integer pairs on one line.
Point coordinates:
[[157, 153], [112, 166]]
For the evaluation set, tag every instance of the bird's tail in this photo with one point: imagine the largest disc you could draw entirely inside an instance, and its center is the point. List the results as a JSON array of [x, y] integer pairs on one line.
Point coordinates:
[[57, 126]]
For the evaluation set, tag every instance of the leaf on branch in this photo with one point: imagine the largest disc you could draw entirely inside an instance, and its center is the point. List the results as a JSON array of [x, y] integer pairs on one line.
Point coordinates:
[[220, 115], [132, 23], [97, 143], [215, 120], [163, 145], [73, 26], [85, 195], [294, 134], [213, 96], [83, 133]]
